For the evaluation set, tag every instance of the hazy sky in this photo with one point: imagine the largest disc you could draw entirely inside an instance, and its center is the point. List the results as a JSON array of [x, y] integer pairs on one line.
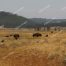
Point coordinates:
[[35, 8]]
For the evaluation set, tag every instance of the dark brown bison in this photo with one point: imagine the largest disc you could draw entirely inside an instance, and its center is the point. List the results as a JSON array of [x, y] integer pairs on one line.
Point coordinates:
[[6, 36], [2, 40], [46, 35], [51, 31], [11, 35], [37, 35], [16, 36]]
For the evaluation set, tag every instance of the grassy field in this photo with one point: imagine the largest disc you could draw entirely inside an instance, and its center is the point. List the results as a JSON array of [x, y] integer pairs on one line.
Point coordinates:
[[33, 51]]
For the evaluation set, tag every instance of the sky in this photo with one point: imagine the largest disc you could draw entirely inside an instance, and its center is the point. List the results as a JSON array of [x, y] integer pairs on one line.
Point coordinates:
[[35, 8]]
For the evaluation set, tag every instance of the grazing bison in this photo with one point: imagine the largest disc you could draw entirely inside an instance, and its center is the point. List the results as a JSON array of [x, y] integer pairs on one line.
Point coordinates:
[[16, 36], [46, 36], [37, 35], [2, 40], [11, 35], [6, 36], [51, 31]]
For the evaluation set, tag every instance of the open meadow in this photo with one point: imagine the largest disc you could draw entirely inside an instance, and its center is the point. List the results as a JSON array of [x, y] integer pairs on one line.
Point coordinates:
[[46, 50]]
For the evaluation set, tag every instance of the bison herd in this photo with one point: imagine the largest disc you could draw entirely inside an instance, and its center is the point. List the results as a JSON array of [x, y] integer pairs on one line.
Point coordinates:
[[17, 36]]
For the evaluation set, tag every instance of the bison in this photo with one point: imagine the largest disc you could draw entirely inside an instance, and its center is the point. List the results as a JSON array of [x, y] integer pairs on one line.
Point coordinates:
[[16, 36], [7, 36], [11, 35], [2, 40], [51, 31], [37, 35], [46, 35]]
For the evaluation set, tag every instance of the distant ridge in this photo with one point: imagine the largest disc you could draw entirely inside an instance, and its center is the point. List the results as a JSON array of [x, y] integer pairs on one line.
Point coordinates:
[[10, 20]]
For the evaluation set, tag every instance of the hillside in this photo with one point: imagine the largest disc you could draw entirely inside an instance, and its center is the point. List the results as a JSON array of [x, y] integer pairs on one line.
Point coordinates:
[[50, 22], [10, 20]]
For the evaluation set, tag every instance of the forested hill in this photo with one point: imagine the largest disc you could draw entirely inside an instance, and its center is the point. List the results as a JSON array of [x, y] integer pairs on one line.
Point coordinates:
[[10, 20]]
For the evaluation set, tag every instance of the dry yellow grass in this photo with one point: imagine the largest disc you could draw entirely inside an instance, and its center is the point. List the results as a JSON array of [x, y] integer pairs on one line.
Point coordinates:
[[29, 51]]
